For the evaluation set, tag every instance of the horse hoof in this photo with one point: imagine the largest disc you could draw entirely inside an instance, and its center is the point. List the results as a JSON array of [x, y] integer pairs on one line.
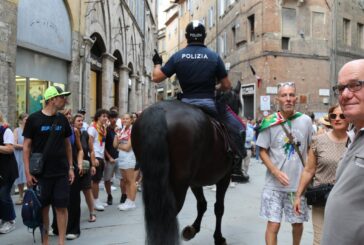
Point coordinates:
[[221, 241], [188, 233]]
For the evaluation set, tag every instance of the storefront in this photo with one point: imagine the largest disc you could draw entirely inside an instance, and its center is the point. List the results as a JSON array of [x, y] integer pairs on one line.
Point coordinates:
[[43, 51]]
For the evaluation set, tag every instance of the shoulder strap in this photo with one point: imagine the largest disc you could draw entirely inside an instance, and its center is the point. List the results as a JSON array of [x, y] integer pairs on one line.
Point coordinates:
[[291, 141]]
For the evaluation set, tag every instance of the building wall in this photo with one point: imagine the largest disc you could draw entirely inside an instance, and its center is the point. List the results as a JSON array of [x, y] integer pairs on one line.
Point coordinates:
[[126, 33], [8, 16], [290, 40]]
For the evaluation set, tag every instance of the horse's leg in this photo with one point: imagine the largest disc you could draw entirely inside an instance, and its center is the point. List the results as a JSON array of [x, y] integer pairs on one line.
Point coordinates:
[[221, 188], [189, 232]]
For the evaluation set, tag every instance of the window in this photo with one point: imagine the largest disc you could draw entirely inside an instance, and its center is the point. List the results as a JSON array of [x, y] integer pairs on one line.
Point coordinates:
[[285, 43], [251, 20], [318, 22], [211, 17], [346, 32], [221, 7], [289, 22], [360, 36]]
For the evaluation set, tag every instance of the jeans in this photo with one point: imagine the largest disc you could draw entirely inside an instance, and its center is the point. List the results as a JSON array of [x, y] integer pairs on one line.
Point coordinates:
[[7, 212], [229, 116]]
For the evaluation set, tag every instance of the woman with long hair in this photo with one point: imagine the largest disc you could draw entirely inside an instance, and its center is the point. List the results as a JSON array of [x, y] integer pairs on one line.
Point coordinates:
[[18, 151], [126, 162], [323, 158]]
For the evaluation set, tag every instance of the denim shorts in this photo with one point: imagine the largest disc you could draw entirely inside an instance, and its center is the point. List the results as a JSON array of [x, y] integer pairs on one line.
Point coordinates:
[[126, 160], [274, 203]]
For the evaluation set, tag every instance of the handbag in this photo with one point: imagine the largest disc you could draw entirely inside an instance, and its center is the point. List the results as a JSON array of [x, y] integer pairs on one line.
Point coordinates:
[[317, 195], [36, 160]]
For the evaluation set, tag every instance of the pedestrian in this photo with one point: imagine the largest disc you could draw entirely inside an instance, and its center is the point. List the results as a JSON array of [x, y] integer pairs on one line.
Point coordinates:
[[74, 206], [85, 125], [344, 216], [323, 157], [283, 140], [18, 151], [8, 174], [87, 170], [97, 137], [197, 69], [126, 162], [57, 174], [111, 154]]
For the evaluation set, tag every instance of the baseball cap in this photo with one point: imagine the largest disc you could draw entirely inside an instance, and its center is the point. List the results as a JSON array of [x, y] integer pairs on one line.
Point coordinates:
[[54, 91]]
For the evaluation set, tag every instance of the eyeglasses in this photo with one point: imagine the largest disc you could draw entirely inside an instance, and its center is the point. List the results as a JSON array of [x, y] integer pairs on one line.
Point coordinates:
[[352, 86], [286, 84], [333, 116]]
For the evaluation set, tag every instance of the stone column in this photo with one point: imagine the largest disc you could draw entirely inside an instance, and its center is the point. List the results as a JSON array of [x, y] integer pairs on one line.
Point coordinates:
[[123, 89], [145, 92], [133, 98], [140, 93], [86, 69], [107, 80]]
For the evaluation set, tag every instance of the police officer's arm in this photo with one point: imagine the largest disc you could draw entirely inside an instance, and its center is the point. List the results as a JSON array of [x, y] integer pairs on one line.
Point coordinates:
[[278, 174], [158, 75], [224, 84]]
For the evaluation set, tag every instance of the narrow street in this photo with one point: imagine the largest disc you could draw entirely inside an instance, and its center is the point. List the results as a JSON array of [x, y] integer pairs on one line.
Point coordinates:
[[241, 222]]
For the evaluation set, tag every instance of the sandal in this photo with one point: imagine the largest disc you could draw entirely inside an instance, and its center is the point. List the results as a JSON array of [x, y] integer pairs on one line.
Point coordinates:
[[92, 218]]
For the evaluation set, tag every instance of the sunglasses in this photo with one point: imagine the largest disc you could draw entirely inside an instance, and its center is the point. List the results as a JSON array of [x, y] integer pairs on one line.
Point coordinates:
[[333, 116], [286, 84]]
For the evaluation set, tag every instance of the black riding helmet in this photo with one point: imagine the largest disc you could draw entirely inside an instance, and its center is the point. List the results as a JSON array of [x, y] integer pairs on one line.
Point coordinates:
[[195, 32]]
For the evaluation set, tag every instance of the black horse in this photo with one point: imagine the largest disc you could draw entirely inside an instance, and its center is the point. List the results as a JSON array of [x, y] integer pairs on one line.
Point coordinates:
[[179, 146]]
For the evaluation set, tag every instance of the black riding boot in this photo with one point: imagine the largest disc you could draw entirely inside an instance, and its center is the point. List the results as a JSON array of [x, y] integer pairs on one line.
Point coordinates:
[[238, 175]]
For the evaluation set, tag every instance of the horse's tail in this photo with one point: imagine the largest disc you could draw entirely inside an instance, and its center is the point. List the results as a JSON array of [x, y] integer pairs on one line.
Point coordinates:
[[159, 202]]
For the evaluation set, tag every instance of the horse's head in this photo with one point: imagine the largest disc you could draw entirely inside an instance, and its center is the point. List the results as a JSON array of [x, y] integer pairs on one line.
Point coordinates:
[[231, 97]]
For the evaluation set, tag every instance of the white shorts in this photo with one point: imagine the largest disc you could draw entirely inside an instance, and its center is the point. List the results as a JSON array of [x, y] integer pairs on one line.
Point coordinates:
[[111, 169], [274, 203], [126, 160]]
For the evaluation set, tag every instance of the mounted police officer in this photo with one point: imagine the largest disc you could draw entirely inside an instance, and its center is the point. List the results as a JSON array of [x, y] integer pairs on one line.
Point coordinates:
[[197, 69]]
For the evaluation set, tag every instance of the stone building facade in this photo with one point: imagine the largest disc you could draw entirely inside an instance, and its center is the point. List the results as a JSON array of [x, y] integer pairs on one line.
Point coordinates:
[[99, 50], [305, 41]]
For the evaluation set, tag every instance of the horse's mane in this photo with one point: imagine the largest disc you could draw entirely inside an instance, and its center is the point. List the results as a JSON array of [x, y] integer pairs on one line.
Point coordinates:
[[231, 98]]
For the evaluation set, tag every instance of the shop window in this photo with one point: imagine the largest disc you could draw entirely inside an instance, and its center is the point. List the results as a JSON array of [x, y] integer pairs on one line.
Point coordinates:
[[360, 35], [29, 93]]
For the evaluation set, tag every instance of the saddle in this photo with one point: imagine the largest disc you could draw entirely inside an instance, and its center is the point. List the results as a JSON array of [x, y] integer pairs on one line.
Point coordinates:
[[220, 128]]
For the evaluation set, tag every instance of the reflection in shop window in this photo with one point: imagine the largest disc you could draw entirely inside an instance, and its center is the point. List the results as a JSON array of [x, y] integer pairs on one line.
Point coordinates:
[[29, 93]]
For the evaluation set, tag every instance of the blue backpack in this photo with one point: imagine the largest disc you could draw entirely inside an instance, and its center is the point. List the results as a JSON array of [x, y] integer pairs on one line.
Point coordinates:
[[31, 211]]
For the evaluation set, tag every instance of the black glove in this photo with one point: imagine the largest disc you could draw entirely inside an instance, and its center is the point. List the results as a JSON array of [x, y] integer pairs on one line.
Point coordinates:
[[157, 59]]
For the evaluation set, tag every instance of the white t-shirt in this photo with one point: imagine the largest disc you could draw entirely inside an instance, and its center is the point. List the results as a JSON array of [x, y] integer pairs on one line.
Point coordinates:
[[8, 137], [99, 147], [283, 154]]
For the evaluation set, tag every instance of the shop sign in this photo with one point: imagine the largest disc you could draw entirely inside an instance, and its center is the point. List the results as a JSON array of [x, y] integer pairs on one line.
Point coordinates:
[[265, 103], [245, 90]]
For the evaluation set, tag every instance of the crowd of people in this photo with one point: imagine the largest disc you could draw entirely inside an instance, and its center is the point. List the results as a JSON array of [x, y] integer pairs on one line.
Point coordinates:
[[295, 151]]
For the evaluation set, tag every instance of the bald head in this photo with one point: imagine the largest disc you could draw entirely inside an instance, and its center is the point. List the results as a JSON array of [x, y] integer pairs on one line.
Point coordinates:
[[351, 92]]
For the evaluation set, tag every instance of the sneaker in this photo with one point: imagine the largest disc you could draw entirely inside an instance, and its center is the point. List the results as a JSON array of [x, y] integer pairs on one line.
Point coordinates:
[[104, 204], [51, 233], [128, 205], [72, 236], [109, 199], [99, 206], [7, 227]]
